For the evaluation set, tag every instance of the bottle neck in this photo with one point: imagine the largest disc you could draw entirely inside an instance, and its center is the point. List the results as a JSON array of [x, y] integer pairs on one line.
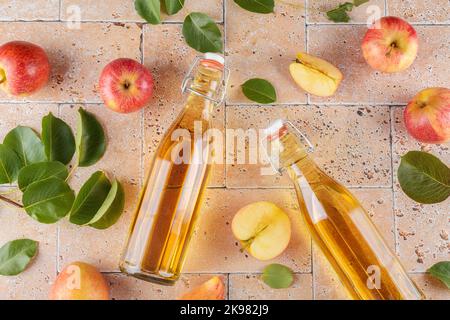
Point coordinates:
[[303, 167], [204, 88]]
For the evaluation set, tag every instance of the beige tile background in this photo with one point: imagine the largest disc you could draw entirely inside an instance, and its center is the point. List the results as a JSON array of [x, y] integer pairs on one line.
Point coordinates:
[[359, 135]]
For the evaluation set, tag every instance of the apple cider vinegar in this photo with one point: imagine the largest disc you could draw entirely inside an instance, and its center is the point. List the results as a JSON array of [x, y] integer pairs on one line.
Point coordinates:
[[171, 198], [339, 225]]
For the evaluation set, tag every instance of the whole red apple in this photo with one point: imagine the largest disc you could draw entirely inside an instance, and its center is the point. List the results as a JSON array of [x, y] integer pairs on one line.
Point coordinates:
[[24, 68], [427, 116], [390, 45], [126, 85]]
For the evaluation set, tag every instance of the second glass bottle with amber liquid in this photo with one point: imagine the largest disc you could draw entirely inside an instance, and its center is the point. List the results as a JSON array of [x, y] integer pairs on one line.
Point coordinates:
[[170, 200]]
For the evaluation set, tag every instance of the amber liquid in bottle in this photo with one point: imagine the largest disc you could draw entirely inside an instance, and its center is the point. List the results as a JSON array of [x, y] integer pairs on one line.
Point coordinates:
[[341, 227], [172, 195]]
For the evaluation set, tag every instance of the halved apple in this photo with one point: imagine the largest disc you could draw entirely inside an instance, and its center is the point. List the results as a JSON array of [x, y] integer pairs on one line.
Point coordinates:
[[263, 229], [315, 75]]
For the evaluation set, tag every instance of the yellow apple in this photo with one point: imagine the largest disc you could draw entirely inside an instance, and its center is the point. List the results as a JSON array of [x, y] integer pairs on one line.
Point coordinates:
[[315, 75], [263, 229]]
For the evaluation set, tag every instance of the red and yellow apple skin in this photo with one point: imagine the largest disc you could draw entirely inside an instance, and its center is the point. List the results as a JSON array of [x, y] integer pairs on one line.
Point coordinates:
[[427, 116], [79, 281], [390, 45], [24, 68], [213, 289], [126, 85]]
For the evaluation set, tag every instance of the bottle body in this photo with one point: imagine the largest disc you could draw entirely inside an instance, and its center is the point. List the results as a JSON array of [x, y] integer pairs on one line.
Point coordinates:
[[170, 201], [346, 235], [339, 224]]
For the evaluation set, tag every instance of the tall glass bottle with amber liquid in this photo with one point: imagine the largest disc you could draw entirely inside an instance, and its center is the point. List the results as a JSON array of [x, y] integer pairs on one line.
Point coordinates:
[[338, 223], [172, 194]]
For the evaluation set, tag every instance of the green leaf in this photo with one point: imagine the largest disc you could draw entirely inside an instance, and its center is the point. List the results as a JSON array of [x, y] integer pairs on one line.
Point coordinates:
[[173, 6], [201, 33], [91, 142], [150, 10], [259, 90], [424, 178], [90, 198], [26, 143], [41, 171], [111, 209], [16, 255], [257, 6], [339, 14], [277, 276], [357, 3], [48, 200], [58, 139], [441, 271], [9, 165]]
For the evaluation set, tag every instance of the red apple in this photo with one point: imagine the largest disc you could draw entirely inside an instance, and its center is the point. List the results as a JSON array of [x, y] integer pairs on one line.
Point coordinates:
[[390, 45], [126, 85], [24, 68], [427, 116]]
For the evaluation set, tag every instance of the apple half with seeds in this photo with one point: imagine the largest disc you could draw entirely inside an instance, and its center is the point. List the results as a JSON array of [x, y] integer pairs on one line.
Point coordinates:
[[263, 229], [314, 75]]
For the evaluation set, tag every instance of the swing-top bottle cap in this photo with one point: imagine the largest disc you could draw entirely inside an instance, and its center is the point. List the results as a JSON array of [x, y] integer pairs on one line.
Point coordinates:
[[214, 57], [276, 130]]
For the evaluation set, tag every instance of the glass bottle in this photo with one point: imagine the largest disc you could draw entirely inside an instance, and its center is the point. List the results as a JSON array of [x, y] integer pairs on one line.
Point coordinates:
[[338, 223], [172, 194]]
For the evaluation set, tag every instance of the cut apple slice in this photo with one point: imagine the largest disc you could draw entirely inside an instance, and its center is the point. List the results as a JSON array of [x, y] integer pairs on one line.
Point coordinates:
[[213, 289], [263, 229], [315, 75]]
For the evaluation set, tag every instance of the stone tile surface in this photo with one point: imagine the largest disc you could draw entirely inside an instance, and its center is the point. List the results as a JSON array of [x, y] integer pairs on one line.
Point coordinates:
[[76, 56], [317, 11], [128, 288], [214, 238], [424, 11], [339, 135], [358, 134], [422, 230], [341, 45], [117, 10], [269, 42], [13, 10], [251, 287]]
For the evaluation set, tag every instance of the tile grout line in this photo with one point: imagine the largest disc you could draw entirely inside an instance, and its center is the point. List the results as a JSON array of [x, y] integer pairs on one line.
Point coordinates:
[[287, 104], [58, 227], [308, 96], [228, 286], [142, 131], [60, 10], [225, 122], [308, 99], [394, 215]]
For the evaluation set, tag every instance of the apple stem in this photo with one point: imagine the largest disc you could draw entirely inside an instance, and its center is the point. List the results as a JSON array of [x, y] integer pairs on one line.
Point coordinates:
[[248, 242], [9, 201]]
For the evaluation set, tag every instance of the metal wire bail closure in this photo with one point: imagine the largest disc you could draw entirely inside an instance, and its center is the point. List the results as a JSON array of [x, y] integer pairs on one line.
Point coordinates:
[[190, 76]]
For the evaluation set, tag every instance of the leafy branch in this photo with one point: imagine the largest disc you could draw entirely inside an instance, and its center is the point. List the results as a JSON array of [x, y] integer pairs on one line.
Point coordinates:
[[39, 166]]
